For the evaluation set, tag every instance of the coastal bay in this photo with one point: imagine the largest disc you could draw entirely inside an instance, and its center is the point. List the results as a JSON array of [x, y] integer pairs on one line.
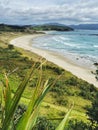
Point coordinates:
[[25, 42]]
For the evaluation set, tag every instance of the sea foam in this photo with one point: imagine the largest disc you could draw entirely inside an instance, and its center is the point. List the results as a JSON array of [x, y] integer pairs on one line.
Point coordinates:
[[78, 43]]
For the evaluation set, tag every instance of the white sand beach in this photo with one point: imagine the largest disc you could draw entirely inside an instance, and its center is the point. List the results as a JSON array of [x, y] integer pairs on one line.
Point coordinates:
[[81, 72]]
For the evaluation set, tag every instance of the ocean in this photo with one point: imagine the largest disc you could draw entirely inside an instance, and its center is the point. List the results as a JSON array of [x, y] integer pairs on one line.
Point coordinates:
[[80, 46]]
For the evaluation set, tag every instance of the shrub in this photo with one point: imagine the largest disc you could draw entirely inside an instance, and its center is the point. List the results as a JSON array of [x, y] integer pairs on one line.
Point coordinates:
[[78, 125], [62, 113], [97, 71], [62, 101], [72, 81], [44, 124], [10, 46], [92, 111], [21, 108]]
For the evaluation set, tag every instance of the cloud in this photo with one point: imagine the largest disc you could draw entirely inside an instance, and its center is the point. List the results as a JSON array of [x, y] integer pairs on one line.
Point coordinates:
[[69, 12]]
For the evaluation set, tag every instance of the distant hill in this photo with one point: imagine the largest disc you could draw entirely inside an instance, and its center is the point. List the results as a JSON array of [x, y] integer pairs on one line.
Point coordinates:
[[85, 26], [16, 28], [34, 28], [57, 24], [51, 27]]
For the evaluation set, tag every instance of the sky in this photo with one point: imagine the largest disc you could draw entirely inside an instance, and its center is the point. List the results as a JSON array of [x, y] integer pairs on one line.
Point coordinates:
[[25, 12]]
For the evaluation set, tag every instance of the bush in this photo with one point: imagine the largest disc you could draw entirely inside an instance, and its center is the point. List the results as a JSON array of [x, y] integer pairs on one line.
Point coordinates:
[[88, 91], [62, 113], [10, 47], [85, 94], [44, 124], [78, 125], [58, 70], [61, 101], [92, 111], [97, 71], [72, 81], [19, 112]]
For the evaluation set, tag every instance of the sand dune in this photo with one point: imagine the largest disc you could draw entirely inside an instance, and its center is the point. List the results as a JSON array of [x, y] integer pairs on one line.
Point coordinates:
[[83, 73]]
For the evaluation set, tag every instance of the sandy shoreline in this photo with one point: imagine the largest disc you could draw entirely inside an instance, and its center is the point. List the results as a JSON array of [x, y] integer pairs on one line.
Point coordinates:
[[83, 73]]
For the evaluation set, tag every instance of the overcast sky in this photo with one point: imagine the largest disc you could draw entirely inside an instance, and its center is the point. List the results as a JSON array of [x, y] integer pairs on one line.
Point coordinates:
[[46, 11]]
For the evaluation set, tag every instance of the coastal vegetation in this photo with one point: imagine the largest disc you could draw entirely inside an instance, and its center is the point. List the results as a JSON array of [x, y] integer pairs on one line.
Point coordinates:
[[33, 29], [52, 28], [10, 28], [15, 63], [96, 72]]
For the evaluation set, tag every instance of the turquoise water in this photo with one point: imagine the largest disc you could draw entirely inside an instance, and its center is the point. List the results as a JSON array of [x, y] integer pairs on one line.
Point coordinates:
[[81, 46]]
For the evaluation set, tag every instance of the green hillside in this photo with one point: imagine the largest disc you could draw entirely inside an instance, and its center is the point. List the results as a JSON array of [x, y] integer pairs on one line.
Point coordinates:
[[4, 27], [16, 63], [33, 29], [52, 28]]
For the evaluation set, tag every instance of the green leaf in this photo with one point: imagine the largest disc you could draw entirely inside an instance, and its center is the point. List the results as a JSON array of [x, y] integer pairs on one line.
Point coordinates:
[[15, 100], [32, 120], [34, 104], [7, 96], [28, 113], [63, 122]]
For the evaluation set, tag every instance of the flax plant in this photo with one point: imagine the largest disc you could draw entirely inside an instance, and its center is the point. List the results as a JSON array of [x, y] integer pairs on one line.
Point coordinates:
[[9, 103]]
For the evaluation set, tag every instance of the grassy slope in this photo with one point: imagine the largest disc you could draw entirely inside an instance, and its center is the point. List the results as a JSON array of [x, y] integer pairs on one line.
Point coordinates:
[[65, 91]]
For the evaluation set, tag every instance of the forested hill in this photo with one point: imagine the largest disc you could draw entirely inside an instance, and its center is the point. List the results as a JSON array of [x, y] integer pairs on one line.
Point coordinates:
[[5, 27], [31, 28], [48, 27]]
